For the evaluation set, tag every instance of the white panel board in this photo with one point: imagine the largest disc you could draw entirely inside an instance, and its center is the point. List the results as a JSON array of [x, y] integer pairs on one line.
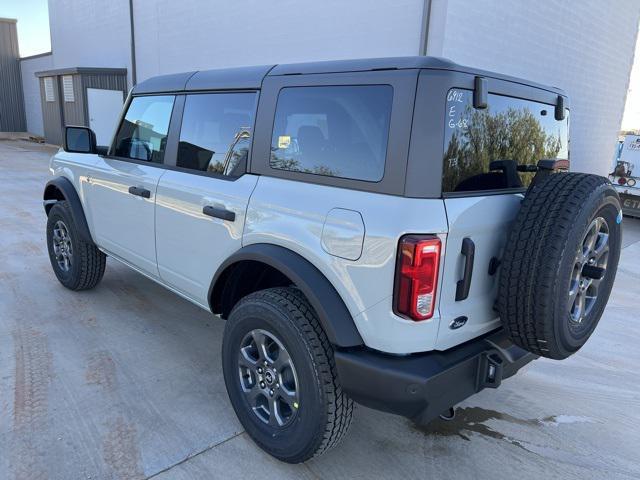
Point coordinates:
[[104, 107]]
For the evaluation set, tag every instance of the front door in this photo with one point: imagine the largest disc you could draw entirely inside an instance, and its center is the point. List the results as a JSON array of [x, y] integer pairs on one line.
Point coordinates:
[[201, 202], [123, 185]]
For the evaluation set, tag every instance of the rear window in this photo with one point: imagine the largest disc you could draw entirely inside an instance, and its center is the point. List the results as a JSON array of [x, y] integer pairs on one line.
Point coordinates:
[[337, 131], [482, 145]]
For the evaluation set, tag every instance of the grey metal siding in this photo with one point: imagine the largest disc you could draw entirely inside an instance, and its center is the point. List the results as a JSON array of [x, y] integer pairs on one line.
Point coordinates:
[[51, 114], [12, 117], [105, 81], [74, 111]]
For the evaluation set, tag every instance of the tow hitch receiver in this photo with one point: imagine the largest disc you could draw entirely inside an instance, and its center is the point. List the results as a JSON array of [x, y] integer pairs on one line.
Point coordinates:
[[489, 371]]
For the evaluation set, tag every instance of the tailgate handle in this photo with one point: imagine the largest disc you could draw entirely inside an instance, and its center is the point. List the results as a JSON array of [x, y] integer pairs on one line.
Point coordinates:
[[468, 251]]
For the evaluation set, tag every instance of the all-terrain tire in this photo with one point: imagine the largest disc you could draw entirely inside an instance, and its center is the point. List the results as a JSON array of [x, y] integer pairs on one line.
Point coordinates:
[[87, 262], [542, 274], [324, 411]]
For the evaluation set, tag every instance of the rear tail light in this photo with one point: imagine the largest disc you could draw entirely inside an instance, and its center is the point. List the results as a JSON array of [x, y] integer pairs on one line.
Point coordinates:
[[622, 181], [417, 276]]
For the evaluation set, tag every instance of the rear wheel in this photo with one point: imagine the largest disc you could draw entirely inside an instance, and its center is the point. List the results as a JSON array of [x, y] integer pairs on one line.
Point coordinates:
[[559, 263], [281, 377]]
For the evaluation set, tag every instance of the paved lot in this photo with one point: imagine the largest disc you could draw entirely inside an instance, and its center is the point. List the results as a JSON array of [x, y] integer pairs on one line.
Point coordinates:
[[125, 381]]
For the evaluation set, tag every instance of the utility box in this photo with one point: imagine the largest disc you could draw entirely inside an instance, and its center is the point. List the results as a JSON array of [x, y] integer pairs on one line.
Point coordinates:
[[91, 97]]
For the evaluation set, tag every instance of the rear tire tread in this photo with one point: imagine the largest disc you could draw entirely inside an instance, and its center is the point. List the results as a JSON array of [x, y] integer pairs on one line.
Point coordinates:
[[339, 405]]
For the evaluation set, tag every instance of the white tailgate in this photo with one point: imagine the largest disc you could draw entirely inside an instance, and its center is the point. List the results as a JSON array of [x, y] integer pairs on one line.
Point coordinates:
[[486, 221]]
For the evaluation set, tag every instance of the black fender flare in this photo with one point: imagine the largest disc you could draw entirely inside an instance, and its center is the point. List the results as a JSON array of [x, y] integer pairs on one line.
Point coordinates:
[[335, 318], [69, 194]]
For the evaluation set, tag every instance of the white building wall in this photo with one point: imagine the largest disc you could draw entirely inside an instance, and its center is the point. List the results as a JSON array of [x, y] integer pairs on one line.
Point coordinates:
[[587, 51], [31, 88], [585, 48], [90, 33], [195, 34]]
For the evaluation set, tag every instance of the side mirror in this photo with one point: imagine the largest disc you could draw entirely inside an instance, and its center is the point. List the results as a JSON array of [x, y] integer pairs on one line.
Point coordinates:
[[79, 140]]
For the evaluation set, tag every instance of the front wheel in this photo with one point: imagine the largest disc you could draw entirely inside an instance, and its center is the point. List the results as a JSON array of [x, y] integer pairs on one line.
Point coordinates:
[[281, 377], [78, 265]]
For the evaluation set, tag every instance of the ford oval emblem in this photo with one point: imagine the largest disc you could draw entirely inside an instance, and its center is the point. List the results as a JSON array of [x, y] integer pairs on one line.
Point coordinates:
[[457, 323]]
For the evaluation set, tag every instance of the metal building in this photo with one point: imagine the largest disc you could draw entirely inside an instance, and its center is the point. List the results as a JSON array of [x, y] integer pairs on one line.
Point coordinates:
[[12, 117], [587, 51], [81, 96]]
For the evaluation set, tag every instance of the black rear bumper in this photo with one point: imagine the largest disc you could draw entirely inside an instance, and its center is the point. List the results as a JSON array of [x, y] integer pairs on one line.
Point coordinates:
[[422, 386]]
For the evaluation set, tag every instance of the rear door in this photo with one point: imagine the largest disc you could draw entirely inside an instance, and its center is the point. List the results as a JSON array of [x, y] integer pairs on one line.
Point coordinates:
[[202, 200], [483, 190]]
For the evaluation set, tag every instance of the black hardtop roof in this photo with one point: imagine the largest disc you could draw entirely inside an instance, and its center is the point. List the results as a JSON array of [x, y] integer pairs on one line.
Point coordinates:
[[249, 78]]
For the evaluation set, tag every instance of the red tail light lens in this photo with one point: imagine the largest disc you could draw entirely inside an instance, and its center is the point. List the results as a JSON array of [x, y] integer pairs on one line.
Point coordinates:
[[417, 276], [622, 181]]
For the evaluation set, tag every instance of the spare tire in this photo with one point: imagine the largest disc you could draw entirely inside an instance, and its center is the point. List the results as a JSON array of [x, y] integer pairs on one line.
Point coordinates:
[[559, 263]]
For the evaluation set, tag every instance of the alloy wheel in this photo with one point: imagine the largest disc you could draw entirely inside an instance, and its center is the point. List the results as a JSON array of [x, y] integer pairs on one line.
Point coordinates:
[[62, 246], [588, 272], [268, 378]]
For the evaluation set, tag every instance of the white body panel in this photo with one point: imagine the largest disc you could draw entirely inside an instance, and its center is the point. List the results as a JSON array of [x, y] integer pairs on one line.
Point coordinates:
[[124, 224], [75, 168], [486, 221], [631, 150], [104, 108], [292, 214], [350, 236], [191, 245]]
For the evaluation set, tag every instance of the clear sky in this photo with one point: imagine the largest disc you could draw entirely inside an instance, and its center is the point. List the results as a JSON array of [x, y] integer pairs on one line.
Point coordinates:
[[631, 120], [34, 38], [33, 24]]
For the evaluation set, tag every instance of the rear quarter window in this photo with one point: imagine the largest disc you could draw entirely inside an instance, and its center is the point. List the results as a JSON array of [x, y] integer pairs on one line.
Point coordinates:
[[335, 131], [480, 143]]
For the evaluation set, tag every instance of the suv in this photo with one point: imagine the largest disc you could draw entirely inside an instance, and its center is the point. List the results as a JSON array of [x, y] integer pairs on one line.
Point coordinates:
[[396, 232]]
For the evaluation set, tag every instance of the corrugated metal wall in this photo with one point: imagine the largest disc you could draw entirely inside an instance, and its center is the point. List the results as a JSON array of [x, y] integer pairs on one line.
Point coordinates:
[[51, 113], [12, 117], [74, 111]]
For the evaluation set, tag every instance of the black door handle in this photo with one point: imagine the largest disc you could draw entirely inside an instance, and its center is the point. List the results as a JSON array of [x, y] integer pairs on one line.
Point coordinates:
[[468, 251], [140, 192], [217, 212]]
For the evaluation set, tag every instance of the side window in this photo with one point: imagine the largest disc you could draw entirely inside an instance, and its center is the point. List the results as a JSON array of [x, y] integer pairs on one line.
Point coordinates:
[[216, 132], [143, 132], [337, 131]]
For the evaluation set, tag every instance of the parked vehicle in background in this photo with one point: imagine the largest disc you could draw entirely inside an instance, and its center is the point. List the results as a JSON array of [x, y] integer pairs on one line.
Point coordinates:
[[399, 232], [626, 174]]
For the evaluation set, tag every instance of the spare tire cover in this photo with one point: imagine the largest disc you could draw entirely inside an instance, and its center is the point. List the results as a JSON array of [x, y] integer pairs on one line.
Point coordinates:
[[559, 263]]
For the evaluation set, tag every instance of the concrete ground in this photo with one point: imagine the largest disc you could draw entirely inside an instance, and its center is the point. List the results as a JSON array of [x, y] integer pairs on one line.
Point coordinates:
[[125, 381]]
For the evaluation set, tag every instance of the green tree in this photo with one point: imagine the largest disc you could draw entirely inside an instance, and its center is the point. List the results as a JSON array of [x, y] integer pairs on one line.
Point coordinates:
[[513, 134]]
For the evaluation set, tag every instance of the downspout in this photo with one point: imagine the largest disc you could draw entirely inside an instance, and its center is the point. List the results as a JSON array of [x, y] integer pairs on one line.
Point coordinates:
[[424, 32], [134, 80]]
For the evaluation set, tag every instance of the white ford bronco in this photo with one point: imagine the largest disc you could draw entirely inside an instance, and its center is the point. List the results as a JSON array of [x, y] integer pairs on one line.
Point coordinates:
[[398, 232]]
